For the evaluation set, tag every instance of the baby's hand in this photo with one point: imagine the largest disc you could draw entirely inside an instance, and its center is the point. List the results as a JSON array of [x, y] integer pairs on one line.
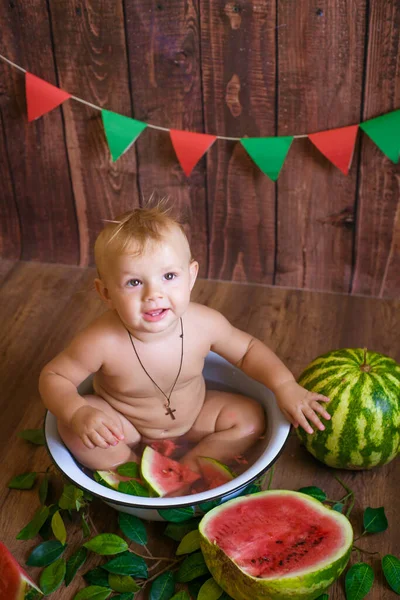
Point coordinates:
[[298, 405], [96, 428]]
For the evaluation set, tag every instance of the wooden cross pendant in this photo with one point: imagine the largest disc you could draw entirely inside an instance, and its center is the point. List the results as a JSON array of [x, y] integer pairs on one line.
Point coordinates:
[[170, 412]]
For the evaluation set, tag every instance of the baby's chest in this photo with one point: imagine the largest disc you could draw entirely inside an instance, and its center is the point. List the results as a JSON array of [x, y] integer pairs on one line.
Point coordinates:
[[139, 372]]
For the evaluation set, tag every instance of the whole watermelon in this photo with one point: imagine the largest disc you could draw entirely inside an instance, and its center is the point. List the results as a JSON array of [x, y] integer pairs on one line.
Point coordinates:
[[364, 388]]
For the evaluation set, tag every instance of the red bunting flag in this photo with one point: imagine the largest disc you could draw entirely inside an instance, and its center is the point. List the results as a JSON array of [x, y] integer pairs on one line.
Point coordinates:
[[337, 145], [190, 147], [41, 96]]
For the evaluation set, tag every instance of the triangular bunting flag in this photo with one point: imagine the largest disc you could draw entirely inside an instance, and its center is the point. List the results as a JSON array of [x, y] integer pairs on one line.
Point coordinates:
[[385, 132], [121, 132], [268, 153], [41, 96], [337, 145], [190, 147]]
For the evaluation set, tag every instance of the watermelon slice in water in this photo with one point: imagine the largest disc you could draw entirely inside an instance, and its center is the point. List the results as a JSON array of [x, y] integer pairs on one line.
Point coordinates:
[[112, 479], [165, 447], [276, 544], [214, 472], [15, 584], [164, 475]]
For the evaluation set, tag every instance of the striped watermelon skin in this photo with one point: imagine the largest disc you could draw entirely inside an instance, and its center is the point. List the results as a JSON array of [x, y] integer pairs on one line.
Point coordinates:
[[364, 388]]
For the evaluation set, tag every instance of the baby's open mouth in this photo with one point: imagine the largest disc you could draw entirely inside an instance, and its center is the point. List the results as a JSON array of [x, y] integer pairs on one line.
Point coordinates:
[[152, 315], [155, 313]]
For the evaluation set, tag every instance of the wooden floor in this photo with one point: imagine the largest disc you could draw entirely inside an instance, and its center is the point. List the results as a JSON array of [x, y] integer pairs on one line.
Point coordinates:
[[41, 308]]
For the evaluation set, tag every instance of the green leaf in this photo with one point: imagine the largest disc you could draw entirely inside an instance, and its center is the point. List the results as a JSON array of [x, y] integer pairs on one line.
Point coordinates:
[[125, 596], [359, 580], [133, 488], [43, 490], [87, 495], [391, 570], [52, 577], [190, 543], [338, 507], [195, 585], [74, 563], [210, 590], [97, 577], [33, 594], [45, 531], [93, 592], [177, 531], [206, 506], [193, 566], [25, 481], [323, 597], [106, 544], [181, 595], [85, 527], [35, 436], [33, 527], [314, 492], [375, 520], [253, 488], [163, 587], [133, 528], [45, 554], [71, 498], [128, 469], [177, 515], [122, 583], [58, 527], [127, 563]]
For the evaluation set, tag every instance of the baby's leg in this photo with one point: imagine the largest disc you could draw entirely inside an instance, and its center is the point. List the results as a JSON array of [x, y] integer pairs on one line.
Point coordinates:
[[102, 458], [228, 424]]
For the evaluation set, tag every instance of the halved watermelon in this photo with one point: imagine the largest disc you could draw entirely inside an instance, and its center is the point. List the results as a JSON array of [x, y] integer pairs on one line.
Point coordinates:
[[164, 475], [275, 544], [214, 472], [15, 584]]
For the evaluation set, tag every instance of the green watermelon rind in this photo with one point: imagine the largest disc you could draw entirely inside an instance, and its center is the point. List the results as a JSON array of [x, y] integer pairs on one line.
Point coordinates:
[[364, 429], [305, 585], [105, 477], [217, 465]]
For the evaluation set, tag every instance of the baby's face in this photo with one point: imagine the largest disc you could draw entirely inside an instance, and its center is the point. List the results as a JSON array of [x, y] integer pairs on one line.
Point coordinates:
[[152, 290]]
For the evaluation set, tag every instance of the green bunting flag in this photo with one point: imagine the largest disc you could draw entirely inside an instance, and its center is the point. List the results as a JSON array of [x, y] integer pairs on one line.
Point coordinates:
[[121, 132], [384, 131], [268, 153]]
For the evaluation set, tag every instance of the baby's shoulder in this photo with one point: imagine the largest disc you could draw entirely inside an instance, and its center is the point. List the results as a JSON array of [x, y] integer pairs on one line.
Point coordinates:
[[106, 327], [204, 315]]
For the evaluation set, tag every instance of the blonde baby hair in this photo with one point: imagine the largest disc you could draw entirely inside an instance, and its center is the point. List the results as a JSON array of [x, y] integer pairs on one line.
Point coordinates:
[[130, 232]]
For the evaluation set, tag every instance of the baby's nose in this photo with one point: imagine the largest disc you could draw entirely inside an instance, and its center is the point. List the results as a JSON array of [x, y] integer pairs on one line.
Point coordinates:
[[152, 292]]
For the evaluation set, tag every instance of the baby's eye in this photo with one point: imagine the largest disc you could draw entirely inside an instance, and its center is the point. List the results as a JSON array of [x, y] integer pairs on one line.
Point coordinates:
[[169, 276], [133, 283]]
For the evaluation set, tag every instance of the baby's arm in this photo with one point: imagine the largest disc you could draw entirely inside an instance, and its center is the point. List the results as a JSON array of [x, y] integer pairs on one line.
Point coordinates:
[[259, 362], [58, 384]]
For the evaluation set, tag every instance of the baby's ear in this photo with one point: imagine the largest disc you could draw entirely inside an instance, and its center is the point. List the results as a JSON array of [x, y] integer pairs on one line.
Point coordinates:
[[103, 292], [193, 270]]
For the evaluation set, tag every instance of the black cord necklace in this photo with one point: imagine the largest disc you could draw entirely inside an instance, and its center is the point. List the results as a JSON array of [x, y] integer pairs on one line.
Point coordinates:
[[167, 404]]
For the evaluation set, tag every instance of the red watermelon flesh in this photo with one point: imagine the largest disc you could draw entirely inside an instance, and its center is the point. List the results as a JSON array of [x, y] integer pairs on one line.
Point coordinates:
[[164, 475], [269, 537], [165, 447], [15, 584]]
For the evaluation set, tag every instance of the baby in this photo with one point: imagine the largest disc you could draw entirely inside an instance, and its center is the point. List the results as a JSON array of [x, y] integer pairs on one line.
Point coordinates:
[[147, 354]]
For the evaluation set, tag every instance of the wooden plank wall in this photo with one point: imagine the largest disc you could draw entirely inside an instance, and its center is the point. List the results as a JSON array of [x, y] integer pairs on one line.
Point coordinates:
[[230, 67]]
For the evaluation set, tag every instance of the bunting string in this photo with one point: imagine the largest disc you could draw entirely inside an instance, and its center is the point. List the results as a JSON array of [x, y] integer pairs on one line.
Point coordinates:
[[268, 153]]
